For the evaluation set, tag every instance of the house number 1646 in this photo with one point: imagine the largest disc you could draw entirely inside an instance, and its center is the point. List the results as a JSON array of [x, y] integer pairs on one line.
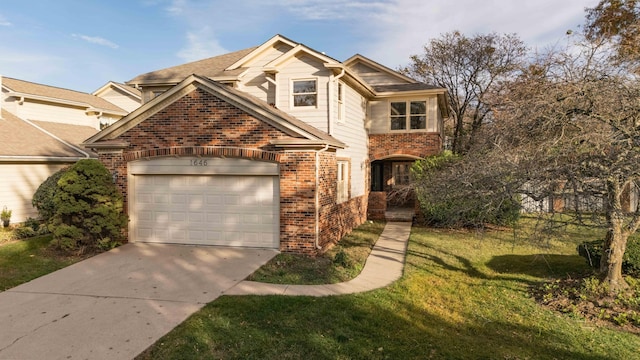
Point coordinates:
[[198, 162]]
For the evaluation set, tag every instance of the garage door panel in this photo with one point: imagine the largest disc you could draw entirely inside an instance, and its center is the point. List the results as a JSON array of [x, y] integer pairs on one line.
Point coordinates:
[[207, 209]]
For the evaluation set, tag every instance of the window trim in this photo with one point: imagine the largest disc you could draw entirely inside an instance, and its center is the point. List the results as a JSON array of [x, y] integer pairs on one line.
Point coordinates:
[[343, 180], [340, 96], [293, 94], [407, 115]]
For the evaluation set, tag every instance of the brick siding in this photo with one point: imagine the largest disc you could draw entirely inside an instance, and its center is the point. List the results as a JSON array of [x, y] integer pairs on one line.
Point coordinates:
[[417, 145], [201, 124]]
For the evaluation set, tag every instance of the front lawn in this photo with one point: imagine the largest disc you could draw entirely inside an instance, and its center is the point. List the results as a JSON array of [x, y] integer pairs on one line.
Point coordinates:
[[463, 296], [342, 262], [25, 260]]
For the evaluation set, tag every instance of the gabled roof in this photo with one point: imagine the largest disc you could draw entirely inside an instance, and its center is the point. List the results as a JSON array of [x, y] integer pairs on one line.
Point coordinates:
[[290, 125], [22, 140], [29, 90], [213, 67], [122, 87], [357, 58]]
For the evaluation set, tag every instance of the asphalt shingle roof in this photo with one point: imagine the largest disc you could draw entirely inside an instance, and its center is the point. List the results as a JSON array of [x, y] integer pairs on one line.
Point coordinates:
[[19, 138], [26, 87], [210, 67]]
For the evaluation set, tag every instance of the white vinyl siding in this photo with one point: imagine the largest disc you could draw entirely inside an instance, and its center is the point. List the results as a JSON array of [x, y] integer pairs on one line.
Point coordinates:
[[255, 82], [121, 99], [303, 68], [36, 110], [352, 131], [380, 116], [373, 76], [20, 182]]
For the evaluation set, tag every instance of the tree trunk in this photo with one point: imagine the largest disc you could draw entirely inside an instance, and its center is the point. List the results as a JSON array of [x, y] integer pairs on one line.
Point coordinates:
[[611, 261], [615, 243]]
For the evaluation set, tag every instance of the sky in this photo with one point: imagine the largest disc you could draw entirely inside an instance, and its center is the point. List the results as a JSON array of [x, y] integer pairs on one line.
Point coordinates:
[[83, 44]]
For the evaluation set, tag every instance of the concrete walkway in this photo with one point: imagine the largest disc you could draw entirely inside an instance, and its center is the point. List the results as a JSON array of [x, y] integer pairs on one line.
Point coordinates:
[[384, 266], [117, 304]]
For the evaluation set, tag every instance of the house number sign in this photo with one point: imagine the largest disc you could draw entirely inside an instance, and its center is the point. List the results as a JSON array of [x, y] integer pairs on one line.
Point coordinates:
[[198, 162]]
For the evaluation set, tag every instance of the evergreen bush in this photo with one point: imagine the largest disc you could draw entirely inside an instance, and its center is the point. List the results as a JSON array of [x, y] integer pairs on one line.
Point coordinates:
[[43, 197], [88, 209]]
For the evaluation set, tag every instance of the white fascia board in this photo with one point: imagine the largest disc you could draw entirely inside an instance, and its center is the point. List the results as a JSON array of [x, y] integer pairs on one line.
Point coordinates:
[[268, 44]]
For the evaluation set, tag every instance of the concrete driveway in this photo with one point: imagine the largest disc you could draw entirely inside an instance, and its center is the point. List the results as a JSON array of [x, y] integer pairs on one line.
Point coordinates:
[[116, 304]]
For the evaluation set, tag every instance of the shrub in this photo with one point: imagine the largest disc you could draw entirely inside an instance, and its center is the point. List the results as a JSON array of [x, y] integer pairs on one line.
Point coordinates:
[[592, 252], [23, 232], [43, 197], [449, 197], [87, 209], [32, 223]]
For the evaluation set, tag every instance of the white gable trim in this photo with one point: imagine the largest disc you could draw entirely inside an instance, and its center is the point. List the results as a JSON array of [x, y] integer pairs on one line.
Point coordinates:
[[370, 63], [260, 49]]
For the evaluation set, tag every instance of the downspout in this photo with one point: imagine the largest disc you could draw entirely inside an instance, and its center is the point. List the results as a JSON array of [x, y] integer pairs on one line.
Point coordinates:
[[317, 195]]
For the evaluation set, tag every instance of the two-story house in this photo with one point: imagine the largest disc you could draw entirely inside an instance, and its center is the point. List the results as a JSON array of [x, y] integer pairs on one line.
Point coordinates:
[[41, 128], [276, 146]]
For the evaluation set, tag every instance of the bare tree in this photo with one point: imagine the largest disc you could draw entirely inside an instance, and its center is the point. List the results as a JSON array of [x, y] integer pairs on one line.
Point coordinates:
[[571, 124], [470, 68], [567, 129]]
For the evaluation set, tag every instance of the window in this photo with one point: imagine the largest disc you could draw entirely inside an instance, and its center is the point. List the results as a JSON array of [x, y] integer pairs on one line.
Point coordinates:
[[343, 181], [401, 173], [410, 115], [305, 93], [340, 102]]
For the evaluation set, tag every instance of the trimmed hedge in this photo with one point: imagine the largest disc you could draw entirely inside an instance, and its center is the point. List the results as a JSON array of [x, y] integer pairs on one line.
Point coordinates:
[[592, 252]]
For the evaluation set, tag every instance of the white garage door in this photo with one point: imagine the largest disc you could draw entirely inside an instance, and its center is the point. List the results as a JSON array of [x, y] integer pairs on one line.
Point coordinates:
[[217, 208]]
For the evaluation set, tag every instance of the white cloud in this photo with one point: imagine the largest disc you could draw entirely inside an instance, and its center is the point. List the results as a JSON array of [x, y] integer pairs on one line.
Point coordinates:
[[177, 7], [97, 40], [331, 9], [407, 25], [201, 44], [4, 21]]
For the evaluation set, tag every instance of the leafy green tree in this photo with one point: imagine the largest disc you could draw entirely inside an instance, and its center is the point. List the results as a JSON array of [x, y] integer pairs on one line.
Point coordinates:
[[88, 208]]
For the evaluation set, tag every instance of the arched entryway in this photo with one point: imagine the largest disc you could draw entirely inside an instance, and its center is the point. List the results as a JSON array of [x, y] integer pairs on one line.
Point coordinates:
[[391, 197]]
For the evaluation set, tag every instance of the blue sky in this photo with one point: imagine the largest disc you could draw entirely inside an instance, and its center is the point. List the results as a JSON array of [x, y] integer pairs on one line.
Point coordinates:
[[82, 44]]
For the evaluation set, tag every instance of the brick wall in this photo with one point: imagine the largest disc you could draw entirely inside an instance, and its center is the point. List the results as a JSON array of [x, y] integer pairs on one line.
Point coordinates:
[[199, 121], [413, 144], [377, 205]]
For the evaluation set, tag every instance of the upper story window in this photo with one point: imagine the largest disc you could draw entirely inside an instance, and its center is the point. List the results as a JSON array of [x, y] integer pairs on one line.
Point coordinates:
[[340, 102], [305, 93], [410, 115]]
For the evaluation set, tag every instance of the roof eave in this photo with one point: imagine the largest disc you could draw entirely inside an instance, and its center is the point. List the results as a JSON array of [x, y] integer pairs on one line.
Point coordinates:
[[306, 144]]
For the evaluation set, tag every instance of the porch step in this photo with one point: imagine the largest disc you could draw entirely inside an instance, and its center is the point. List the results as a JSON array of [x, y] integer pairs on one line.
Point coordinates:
[[400, 214]]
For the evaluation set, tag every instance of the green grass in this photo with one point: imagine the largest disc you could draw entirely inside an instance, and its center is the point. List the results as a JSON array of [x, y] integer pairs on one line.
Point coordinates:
[[341, 263], [25, 260], [463, 296]]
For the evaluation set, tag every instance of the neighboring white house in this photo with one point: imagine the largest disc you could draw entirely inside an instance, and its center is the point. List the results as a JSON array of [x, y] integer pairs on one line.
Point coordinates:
[[41, 128]]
